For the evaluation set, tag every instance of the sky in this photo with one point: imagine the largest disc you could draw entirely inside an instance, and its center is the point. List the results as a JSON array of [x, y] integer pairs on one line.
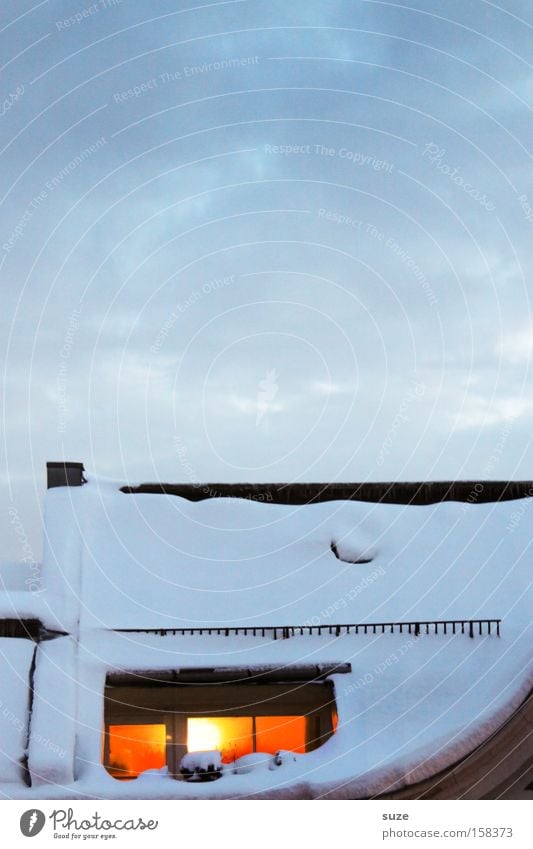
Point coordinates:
[[263, 241]]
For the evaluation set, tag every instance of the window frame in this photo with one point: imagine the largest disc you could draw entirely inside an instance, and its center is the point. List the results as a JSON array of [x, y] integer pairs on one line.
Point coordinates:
[[172, 704]]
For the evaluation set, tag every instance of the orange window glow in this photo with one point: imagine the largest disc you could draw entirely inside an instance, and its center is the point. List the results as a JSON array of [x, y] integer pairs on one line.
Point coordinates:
[[280, 732], [232, 736], [235, 736], [134, 748]]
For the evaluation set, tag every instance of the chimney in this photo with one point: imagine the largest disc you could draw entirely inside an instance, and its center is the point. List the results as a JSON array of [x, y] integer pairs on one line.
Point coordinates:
[[65, 473]]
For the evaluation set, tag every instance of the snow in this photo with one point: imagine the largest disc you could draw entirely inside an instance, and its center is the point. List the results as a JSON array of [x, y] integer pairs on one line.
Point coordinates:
[[198, 762], [52, 729], [152, 561], [252, 762], [18, 576], [23, 604], [410, 707], [154, 773], [15, 662], [62, 554], [260, 761], [201, 762]]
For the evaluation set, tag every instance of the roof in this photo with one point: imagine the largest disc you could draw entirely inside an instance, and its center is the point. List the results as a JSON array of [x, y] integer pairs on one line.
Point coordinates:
[[155, 561], [408, 706], [387, 492]]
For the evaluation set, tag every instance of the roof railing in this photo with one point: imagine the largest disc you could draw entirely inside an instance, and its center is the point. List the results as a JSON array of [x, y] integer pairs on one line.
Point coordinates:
[[472, 627]]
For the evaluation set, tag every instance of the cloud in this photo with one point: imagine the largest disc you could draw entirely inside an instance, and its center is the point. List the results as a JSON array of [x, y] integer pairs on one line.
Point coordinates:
[[134, 235], [517, 347], [331, 388]]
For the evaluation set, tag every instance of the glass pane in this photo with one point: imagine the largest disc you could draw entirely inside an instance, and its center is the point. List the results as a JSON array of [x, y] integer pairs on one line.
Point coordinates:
[[134, 748], [280, 732], [231, 735]]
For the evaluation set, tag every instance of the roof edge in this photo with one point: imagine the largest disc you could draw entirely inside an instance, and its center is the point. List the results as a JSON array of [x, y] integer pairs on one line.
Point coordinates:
[[387, 492]]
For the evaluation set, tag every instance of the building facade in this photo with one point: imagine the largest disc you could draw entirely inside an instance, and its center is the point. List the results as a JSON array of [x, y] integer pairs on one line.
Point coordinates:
[[280, 640]]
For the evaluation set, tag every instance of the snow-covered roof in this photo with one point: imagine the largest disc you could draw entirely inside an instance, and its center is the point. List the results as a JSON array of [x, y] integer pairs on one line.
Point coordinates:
[[156, 561], [410, 706]]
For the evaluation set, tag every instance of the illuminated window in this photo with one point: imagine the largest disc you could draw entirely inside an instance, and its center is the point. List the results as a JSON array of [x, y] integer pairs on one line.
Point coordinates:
[[281, 732], [235, 736], [231, 735], [150, 725], [135, 748]]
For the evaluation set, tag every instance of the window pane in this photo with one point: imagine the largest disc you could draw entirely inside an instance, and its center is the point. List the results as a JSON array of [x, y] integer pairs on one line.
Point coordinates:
[[134, 748], [231, 735], [280, 732]]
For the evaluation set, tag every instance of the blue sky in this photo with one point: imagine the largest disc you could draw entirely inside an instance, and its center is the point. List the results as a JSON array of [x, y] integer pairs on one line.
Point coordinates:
[[264, 241]]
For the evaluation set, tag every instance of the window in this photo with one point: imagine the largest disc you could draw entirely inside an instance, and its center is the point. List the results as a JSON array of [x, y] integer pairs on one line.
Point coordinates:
[[135, 748], [152, 723], [235, 736], [281, 732]]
